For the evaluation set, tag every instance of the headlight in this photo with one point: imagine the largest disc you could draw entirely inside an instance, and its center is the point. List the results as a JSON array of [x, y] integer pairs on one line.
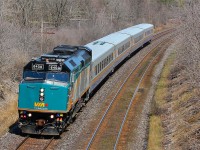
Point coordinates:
[[52, 116], [42, 90], [29, 115]]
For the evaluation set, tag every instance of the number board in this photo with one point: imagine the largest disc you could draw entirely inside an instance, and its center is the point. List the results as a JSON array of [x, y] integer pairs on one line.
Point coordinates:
[[54, 67], [37, 66], [47, 67]]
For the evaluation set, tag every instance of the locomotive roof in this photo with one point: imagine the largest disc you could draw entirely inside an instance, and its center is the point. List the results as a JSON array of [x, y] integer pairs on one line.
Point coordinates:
[[63, 58]]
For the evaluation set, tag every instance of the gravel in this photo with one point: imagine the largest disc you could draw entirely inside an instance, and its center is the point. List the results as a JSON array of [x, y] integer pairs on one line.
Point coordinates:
[[11, 140]]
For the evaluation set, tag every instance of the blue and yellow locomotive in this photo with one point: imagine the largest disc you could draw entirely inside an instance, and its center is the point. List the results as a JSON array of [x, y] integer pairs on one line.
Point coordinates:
[[49, 90]]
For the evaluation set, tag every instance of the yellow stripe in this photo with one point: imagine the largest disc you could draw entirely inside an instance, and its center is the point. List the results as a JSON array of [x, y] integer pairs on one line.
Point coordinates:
[[43, 111], [74, 102]]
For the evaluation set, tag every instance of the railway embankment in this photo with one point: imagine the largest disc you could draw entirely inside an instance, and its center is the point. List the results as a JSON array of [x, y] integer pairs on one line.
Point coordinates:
[[174, 119], [142, 131]]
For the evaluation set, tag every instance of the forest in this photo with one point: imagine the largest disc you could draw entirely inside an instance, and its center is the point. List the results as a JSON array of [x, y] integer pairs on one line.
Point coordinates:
[[35, 27]]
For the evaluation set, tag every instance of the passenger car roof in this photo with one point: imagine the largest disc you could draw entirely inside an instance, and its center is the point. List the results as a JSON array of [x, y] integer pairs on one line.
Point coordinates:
[[115, 38], [99, 48], [131, 31], [105, 44], [143, 26]]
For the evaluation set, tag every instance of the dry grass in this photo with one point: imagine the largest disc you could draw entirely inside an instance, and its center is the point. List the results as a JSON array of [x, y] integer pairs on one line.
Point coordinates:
[[174, 123], [155, 134], [8, 113], [186, 109], [155, 137]]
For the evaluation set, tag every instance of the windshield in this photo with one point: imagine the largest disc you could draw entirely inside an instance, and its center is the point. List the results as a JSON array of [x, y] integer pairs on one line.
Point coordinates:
[[33, 75]]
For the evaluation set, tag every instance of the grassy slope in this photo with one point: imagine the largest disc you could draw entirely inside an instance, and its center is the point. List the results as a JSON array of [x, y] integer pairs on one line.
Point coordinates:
[[156, 129], [174, 122]]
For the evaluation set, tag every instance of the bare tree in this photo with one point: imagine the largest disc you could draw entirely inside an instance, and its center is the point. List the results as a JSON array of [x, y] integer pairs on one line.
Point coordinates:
[[190, 39], [17, 46], [23, 10], [55, 10]]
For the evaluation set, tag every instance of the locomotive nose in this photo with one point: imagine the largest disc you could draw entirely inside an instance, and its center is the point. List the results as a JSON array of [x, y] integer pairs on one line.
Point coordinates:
[[43, 96]]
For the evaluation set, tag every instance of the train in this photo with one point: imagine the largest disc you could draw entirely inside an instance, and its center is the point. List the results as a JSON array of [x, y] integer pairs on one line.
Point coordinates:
[[56, 85]]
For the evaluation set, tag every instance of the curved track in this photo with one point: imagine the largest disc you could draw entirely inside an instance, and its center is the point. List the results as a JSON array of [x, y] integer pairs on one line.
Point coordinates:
[[108, 131]]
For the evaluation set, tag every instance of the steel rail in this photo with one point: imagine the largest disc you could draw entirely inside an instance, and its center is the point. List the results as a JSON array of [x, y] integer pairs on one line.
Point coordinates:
[[48, 143], [108, 108], [24, 140], [133, 97], [159, 34]]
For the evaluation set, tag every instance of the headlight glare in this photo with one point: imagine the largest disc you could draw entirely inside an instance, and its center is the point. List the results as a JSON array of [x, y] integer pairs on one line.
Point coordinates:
[[29, 115], [42, 90]]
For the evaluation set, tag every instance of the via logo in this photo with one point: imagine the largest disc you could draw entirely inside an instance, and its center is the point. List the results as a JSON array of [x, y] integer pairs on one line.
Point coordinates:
[[38, 104]]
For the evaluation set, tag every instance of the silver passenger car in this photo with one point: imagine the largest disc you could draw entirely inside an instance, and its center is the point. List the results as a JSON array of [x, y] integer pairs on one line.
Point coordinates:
[[109, 51]]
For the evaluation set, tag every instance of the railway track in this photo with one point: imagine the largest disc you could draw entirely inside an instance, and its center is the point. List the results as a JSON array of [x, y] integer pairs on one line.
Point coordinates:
[[110, 132], [35, 143], [163, 33]]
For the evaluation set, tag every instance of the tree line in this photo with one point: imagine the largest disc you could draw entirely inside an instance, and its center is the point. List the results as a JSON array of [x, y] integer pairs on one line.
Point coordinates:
[[26, 25]]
